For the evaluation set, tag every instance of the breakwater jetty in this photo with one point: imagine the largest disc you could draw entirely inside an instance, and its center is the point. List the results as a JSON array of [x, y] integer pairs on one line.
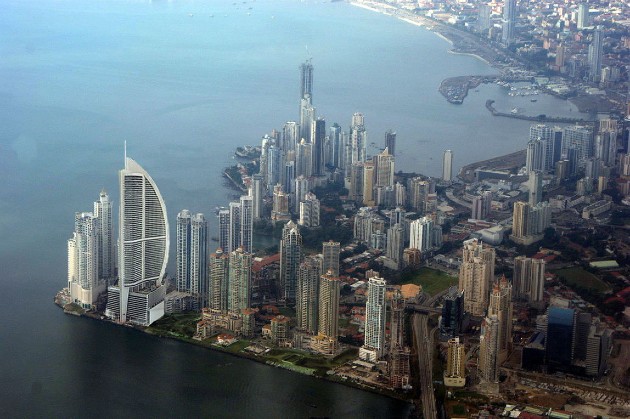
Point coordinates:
[[538, 118]]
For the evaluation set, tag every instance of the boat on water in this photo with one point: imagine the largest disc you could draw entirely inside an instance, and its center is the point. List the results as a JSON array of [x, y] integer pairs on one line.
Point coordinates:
[[533, 100]]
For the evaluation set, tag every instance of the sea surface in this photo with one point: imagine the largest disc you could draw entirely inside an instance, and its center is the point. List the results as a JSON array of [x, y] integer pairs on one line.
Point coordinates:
[[184, 83]]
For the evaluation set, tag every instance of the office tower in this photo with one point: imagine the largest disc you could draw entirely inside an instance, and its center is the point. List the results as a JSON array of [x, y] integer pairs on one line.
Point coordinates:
[[331, 251], [419, 189], [239, 281], [224, 229], [289, 177], [390, 142], [309, 211], [501, 306], [447, 166], [143, 246], [368, 184], [218, 280], [483, 19], [191, 255], [579, 138], [280, 209], [509, 19], [256, 191], [275, 165], [234, 227], [528, 279], [106, 256], [183, 236], [358, 138], [318, 134], [334, 136], [290, 136], [373, 347], [401, 194], [83, 252], [475, 275], [595, 54], [452, 313], [266, 143], [583, 18], [421, 234], [582, 330], [455, 374], [384, 168], [534, 185], [481, 206], [560, 343], [307, 117], [290, 259], [396, 244], [306, 79], [304, 159], [598, 346], [606, 147], [247, 223], [489, 350], [328, 317], [355, 192], [307, 295], [301, 189]]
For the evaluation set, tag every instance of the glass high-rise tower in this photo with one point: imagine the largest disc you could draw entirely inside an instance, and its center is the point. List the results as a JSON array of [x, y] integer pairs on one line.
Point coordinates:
[[143, 246]]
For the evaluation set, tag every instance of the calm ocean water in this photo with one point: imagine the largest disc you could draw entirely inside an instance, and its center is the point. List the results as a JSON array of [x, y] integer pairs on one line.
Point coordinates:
[[183, 83]]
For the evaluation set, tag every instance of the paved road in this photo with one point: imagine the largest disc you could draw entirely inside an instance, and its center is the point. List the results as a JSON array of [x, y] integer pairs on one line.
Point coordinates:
[[424, 348], [451, 197]]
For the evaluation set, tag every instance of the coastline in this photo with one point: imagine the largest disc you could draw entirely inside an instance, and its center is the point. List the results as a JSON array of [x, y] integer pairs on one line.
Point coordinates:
[[58, 301]]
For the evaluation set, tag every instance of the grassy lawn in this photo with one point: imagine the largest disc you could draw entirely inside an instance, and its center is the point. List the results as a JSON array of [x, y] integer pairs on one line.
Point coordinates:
[[318, 364], [182, 324], [432, 280], [579, 277], [238, 346]]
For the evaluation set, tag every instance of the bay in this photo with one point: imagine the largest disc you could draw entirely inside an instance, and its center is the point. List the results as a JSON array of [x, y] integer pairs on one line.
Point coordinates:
[[184, 82]]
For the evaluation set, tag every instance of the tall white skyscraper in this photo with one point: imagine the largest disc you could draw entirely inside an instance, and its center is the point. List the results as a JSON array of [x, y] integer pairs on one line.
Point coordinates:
[[309, 211], [106, 255], [375, 317], [447, 166], [143, 249], [421, 234]]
